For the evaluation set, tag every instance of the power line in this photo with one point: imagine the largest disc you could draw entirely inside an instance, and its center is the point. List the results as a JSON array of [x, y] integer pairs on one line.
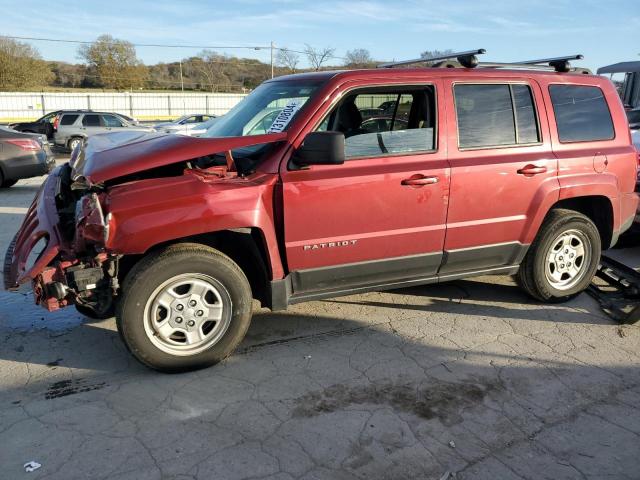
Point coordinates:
[[158, 45], [87, 42]]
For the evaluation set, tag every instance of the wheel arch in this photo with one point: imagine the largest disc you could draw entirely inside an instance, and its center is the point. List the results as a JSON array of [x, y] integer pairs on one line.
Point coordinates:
[[247, 247], [599, 209]]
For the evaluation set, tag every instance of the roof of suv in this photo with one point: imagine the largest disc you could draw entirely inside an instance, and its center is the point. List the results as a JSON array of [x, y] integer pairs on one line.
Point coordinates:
[[91, 112], [430, 72]]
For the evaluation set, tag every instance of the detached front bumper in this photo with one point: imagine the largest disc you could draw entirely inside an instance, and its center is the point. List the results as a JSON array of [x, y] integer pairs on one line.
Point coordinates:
[[40, 224]]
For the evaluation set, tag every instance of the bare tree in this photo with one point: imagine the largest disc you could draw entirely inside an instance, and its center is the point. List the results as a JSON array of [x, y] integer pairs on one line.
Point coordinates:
[[435, 53], [288, 59], [211, 66], [318, 56], [359, 57]]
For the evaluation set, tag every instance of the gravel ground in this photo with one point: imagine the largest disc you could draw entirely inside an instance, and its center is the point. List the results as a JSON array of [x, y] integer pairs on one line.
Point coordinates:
[[471, 378]]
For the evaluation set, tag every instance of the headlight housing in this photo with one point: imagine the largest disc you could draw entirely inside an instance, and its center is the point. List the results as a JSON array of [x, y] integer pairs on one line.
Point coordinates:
[[92, 226]]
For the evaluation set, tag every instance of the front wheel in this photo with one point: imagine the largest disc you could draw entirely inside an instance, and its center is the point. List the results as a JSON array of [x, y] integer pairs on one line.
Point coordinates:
[[563, 258], [185, 307]]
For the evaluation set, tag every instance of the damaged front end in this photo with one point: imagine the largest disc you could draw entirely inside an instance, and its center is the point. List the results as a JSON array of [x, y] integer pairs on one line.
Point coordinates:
[[74, 217], [72, 266]]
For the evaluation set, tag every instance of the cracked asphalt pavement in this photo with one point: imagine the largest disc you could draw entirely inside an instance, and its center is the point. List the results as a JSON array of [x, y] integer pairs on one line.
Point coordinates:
[[470, 378]]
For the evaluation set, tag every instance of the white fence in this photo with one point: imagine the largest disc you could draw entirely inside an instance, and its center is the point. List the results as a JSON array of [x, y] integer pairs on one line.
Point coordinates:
[[144, 106]]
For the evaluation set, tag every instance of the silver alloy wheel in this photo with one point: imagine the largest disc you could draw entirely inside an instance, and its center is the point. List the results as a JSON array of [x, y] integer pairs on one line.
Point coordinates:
[[74, 143], [187, 314], [568, 259]]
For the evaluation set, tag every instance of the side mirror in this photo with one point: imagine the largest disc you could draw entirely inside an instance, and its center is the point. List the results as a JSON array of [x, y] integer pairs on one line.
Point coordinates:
[[320, 148]]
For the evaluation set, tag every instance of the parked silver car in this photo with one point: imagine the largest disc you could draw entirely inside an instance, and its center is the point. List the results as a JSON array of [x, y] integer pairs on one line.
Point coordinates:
[[184, 125], [71, 128]]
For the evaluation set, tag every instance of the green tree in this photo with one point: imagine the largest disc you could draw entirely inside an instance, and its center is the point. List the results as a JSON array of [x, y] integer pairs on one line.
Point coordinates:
[[21, 67], [115, 63]]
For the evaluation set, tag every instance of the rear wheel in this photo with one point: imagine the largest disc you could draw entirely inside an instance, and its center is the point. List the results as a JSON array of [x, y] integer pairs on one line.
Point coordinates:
[[6, 183], [185, 307], [563, 258]]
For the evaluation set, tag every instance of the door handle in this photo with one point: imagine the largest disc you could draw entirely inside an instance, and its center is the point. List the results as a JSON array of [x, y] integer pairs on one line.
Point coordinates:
[[532, 170], [419, 181]]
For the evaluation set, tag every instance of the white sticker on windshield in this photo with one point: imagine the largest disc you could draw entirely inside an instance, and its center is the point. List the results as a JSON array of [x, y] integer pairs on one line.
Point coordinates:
[[285, 116]]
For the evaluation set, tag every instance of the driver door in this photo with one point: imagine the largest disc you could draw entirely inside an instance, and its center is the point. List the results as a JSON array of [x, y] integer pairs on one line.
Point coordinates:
[[378, 219]]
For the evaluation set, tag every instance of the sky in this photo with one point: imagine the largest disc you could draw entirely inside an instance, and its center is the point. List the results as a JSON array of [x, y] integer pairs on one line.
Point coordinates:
[[604, 32]]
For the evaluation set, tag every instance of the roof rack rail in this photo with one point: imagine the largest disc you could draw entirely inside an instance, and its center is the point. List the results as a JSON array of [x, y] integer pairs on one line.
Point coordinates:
[[466, 59], [531, 66], [559, 64]]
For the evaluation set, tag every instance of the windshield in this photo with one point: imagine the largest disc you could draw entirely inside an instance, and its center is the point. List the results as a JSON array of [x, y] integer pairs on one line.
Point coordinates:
[[268, 109]]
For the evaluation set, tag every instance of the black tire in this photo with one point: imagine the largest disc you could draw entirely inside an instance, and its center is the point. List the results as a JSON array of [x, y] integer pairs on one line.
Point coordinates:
[[91, 313], [141, 285], [533, 276], [6, 183]]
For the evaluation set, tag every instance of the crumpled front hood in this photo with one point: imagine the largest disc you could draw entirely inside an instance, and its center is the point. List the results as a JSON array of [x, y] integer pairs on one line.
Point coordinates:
[[112, 155]]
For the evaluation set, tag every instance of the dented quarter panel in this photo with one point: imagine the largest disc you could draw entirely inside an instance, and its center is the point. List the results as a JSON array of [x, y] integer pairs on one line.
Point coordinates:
[[150, 212]]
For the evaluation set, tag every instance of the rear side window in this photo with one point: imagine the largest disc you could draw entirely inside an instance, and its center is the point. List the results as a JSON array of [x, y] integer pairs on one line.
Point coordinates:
[[492, 115], [111, 121], [91, 121], [68, 119], [582, 114]]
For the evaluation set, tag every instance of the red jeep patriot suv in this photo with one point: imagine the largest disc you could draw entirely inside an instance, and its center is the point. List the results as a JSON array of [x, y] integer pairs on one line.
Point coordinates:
[[325, 184]]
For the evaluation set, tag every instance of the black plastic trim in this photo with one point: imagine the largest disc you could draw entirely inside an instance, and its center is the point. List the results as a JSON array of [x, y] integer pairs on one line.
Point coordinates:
[[326, 282], [487, 256], [363, 273]]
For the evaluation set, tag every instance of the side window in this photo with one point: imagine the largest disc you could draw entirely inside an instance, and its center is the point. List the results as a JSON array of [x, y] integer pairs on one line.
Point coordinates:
[[491, 115], [385, 122], [49, 118], [526, 123], [581, 112], [260, 124], [91, 121], [68, 119], [111, 121]]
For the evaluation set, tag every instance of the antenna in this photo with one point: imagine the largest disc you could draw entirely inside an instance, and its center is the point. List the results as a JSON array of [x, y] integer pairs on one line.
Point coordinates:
[[467, 59]]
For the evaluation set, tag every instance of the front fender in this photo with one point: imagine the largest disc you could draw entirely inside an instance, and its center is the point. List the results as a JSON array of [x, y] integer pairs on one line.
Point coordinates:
[[150, 212]]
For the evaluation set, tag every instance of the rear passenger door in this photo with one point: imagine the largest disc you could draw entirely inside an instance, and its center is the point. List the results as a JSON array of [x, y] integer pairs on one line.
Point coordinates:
[[501, 167], [92, 124]]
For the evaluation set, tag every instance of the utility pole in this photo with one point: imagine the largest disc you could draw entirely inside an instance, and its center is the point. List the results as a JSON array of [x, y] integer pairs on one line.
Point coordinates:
[[272, 47], [181, 79]]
